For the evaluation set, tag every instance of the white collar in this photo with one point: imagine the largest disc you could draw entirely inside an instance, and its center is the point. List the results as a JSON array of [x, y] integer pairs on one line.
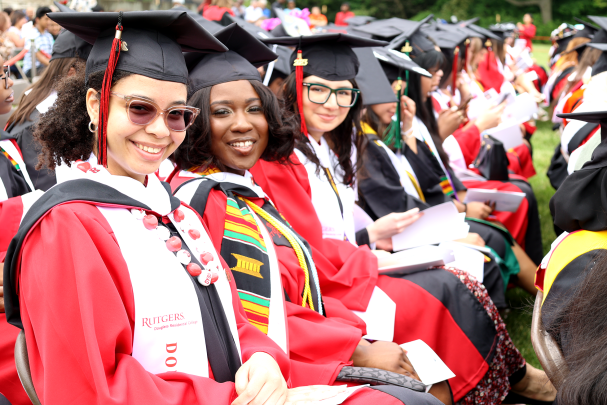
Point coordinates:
[[245, 181], [154, 195]]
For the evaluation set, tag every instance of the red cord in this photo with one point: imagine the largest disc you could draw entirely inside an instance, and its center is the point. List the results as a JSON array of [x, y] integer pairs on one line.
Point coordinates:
[[454, 72], [299, 84], [105, 99]]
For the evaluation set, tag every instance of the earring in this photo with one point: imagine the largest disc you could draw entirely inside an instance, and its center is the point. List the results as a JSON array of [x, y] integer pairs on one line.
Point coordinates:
[[92, 127]]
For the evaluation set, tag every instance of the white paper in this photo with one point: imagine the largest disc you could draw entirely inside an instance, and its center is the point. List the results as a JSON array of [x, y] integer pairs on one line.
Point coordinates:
[[438, 224], [379, 316], [508, 201], [428, 366], [521, 110], [507, 133], [341, 397], [531, 76], [412, 260], [467, 259]]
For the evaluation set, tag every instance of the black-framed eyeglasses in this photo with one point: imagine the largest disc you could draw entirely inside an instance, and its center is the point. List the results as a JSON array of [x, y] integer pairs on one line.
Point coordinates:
[[320, 94], [7, 71]]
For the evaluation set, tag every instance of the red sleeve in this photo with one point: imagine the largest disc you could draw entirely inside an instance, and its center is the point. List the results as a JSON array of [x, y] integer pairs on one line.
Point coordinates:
[[10, 385], [11, 211], [346, 272], [77, 310], [469, 141]]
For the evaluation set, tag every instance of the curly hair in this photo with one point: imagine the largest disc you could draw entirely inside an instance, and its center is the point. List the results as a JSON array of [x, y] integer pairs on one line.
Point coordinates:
[[343, 137], [63, 130], [195, 151]]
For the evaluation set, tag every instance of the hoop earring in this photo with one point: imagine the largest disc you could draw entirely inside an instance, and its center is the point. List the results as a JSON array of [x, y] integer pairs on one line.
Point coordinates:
[[92, 127]]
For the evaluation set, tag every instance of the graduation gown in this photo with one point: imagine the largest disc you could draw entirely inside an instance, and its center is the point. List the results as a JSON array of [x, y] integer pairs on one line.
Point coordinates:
[[312, 361], [429, 304], [381, 192], [82, 297], [13, 184]]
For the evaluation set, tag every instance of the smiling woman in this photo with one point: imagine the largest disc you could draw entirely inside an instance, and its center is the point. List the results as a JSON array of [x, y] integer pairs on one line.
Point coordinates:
[[114, 241]]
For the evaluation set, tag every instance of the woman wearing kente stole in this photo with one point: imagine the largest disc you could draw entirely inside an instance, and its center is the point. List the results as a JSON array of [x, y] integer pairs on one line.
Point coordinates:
[[276, 276]]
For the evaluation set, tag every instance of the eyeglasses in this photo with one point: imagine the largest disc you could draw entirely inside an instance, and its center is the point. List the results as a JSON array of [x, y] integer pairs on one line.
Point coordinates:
[[7, 71], [320, 94], [143, 112]]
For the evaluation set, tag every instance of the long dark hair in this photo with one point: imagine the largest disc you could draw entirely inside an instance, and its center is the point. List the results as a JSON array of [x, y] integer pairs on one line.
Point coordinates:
[[195, 151], [63, 130], [370, 118], [342, 138], [584, 321], [57, 69], [425, 110]]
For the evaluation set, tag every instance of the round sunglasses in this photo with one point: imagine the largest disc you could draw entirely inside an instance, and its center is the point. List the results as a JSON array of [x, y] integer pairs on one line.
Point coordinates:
[[142, 112]]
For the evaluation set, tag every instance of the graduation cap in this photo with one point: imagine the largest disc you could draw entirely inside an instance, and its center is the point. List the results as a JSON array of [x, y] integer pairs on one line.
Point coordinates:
[[245, 53], [482, 31], [371, 79], [503, 31], [562, 43], [394, 63], [359, 20], [282, 65], [208, 25], [148, 43], [392, 27], [328, 56], [68, 45], [599, 156], [253, 29]]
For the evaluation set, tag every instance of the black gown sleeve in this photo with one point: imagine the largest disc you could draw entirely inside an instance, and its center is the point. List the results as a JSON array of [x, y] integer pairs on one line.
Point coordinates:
[[379, 187], [14, 182], [581, 201], [42, 179]]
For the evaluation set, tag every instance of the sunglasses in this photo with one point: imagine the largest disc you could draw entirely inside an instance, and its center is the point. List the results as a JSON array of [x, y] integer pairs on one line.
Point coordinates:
[[319, 94], [143, 112], [6, 70]]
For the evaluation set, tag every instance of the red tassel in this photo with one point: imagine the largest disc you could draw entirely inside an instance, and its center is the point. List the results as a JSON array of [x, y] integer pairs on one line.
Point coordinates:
[[105, 95], [454, 72], [299, 64]]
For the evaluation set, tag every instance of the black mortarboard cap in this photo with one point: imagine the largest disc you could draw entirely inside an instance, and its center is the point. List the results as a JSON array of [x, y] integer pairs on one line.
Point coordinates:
[[154, 39], [245, 53], [68, 45], [208, 25], [394, 63], [329, 56], [392, 27], [371, 79], [253, 29], [599, 36], [359, 20], [483, 31], [445, 38], [562, 43], [599, 156], [282, 64], [148, 43]]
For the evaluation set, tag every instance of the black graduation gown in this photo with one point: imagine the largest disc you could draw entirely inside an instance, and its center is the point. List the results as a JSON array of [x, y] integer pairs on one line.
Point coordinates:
[[42, 179], [13, 180], [381, 193]]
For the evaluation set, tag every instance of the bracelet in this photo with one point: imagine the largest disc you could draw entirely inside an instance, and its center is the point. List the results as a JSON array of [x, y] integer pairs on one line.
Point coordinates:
[[407, 133], [465, 208]]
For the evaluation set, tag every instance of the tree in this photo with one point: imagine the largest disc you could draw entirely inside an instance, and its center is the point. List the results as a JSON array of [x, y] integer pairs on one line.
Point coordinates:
[[544, 5]]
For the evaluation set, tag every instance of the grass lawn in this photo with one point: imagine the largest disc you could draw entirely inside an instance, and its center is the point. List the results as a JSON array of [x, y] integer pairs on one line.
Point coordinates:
[[543, 141]]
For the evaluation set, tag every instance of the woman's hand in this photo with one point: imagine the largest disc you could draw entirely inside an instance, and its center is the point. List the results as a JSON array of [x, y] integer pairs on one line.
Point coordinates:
[[311, 394], [383, 355], [479, 210], [407, 112], [472, 239], [392, 224], [260, 382], [490, 118], [448, 121]]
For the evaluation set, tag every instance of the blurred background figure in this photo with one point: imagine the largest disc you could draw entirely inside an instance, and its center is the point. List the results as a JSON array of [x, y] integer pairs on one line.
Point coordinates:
[[316, 18], [43, 42], [14, 33], [239, 9], [254, 13], [527, 30], [217, 9], [343, 14]]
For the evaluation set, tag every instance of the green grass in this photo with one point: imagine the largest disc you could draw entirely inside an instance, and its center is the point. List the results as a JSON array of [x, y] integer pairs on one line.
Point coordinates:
[[543, 141]]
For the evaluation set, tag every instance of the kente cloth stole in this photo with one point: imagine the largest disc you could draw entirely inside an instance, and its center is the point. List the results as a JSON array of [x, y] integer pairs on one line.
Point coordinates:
[[445, 182], [244, 250], [5, 153]]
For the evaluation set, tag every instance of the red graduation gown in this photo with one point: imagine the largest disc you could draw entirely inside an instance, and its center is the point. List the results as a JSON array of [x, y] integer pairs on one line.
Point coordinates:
[[77, 308], [318, 346], [350, 274]]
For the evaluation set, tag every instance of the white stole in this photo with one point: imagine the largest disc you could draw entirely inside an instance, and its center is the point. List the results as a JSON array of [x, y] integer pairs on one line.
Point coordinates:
[[168, 333], [335, 225]]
